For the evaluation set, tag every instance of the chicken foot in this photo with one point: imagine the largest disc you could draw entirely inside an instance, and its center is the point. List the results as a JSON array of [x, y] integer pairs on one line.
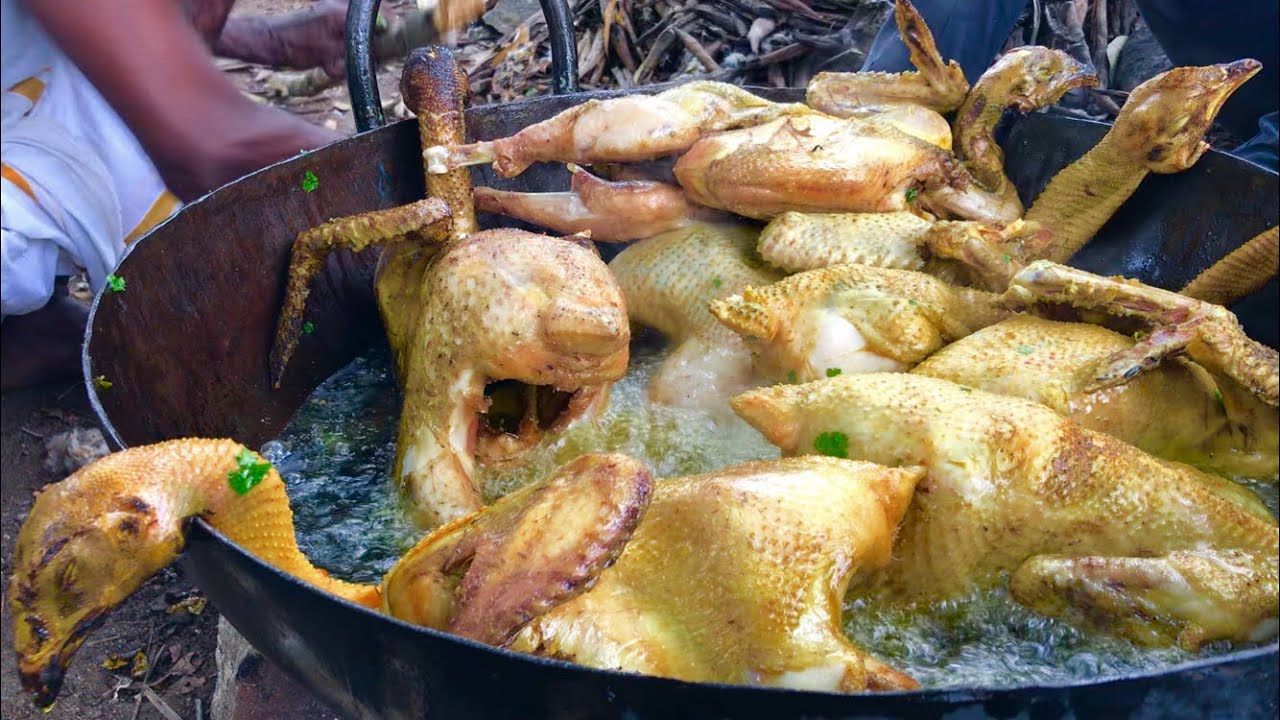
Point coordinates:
[[935, 84], [426, 221], [1209, 333]]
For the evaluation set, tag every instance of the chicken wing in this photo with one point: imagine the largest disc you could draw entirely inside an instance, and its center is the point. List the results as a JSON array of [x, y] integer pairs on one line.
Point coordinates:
[[1091, 528], [738, 576]]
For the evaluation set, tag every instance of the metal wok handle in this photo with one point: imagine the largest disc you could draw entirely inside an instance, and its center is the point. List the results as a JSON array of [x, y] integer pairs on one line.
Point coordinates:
[[362, 78]]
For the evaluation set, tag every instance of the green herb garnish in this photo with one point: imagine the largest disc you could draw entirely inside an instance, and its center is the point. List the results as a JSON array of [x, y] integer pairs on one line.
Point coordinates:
[[832, 372], [912, 302], [1217, 395], [966, 388], [248, 472], [1006, 258], [1025, 349], [115, 283], [912, 194], [101, 382], [308, 328], [792, 377], [716, 282], [833, 444], [310, 181]]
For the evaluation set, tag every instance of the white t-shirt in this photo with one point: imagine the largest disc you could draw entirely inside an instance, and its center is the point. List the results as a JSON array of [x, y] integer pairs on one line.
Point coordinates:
[[77, 186]]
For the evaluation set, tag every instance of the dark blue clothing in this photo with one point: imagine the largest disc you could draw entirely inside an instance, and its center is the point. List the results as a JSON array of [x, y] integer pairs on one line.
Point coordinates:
[[1191, 32]]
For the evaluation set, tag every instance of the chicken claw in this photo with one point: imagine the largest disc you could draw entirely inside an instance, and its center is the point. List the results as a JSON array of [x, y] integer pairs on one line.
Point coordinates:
[[937, 84], [738, 576], [1209, 333]]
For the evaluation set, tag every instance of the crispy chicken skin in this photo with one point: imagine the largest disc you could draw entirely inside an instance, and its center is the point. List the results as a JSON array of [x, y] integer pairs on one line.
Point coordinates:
[[94, 538], [1091, 529], [1177, 410], [667, 281], [738, 576]]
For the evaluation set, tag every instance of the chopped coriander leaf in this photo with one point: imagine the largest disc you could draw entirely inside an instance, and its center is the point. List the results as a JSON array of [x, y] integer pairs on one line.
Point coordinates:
[[1006, 258], [1025, 349], [832, 372], [912, 194], [716, 282], [1217, 395], [792, 377], [308, 328], [101, 382], [912, 302], [310, 181], [834, 444], [115, 283], [966, 388], [248, 472]]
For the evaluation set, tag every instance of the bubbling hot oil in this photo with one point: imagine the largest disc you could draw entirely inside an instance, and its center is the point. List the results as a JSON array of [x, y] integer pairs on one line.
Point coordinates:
[[336, 454]]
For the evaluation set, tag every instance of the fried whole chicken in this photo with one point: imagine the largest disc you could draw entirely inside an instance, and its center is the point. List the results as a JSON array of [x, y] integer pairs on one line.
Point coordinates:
[[738, 576], [499, 336], [94, 538], [1090, 528]]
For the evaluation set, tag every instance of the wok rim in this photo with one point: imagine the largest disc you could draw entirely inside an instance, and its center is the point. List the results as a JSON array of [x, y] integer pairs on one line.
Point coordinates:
[[959, 694]]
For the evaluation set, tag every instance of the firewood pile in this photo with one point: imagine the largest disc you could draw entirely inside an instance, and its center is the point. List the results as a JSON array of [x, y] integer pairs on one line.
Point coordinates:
[[625, 43]]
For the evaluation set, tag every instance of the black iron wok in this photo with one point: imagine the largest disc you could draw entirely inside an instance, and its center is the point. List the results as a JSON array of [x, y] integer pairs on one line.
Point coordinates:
[[185, 350]]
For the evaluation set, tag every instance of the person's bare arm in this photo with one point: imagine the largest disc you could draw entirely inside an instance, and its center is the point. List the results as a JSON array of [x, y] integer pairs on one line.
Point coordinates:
[[153, 67]]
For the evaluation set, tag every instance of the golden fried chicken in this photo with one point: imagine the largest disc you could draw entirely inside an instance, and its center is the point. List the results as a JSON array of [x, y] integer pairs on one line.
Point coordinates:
[[94, 538], [818, 163], [1177, 410], [499, 336], [667, 281], [851, 319], [738, 576], [1091, 528], [625, 129]]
